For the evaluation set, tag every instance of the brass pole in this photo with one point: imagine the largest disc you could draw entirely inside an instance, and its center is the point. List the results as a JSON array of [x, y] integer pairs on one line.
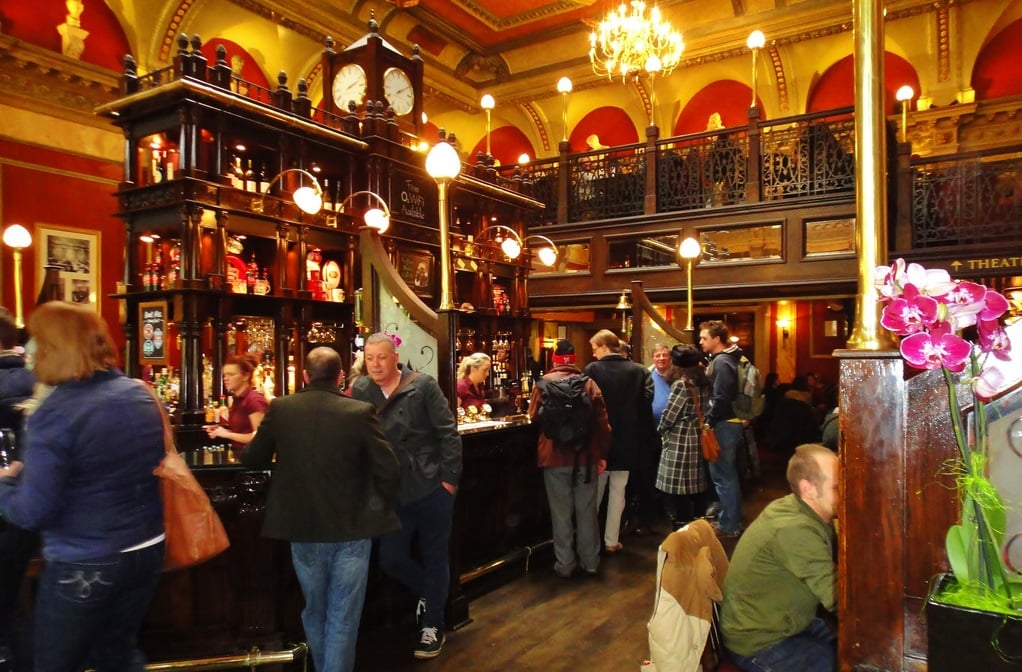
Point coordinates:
[[870, 185], [446, 296], [754, 52], [252, 659], [19, 314], [688, 322]]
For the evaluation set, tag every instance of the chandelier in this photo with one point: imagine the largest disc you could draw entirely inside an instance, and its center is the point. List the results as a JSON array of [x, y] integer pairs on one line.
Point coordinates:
[[627, 43]]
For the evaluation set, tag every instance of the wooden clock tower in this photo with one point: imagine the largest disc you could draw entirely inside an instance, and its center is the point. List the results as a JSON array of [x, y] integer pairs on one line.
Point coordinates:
[[371, 69]]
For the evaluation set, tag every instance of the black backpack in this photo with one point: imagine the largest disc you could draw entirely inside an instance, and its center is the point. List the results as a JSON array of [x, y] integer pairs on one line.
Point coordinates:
[[566, 414]]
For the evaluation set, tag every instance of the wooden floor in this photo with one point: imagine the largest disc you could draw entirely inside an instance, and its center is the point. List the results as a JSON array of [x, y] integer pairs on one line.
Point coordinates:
[[545, 623]]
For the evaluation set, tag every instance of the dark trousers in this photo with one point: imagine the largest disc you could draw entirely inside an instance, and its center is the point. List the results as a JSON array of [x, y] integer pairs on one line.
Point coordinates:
[[17, 546], [431, 517]]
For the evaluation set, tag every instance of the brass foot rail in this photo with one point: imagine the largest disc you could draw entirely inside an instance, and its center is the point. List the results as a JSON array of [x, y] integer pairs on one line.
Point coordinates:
[[253, 659]]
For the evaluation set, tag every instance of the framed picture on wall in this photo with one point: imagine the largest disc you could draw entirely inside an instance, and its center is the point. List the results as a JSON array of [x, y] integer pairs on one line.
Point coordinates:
[[76, 254], [416, 268]]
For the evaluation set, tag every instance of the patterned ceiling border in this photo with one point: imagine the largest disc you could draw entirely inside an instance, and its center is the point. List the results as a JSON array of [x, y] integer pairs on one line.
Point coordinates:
[[496, 23], [538, 122]]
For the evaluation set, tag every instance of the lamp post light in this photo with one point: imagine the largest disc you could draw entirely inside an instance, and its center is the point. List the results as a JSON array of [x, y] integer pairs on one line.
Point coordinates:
[[487, 103], [904, 96], [17, 238], [690, 250], [443, 164], [755, 43], [564, 88]]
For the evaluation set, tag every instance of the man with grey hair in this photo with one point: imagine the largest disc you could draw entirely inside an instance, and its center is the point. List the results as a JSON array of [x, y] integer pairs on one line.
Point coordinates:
[[418, 421], [333, 489]]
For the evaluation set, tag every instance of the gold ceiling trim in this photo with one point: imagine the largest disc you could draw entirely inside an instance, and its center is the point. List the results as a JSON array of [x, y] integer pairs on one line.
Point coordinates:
[[497, 23], [544, 137], [169, 40]]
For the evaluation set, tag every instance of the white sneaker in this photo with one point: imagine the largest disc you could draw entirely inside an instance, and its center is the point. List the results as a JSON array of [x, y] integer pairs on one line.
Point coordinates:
[[430, 643]]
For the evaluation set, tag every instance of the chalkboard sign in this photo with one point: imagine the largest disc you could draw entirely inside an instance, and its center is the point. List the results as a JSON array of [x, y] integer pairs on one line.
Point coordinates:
[[152, 321]]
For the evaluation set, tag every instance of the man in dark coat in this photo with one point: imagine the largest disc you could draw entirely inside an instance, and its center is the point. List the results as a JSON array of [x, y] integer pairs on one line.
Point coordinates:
[[628, 392], [333, 488]]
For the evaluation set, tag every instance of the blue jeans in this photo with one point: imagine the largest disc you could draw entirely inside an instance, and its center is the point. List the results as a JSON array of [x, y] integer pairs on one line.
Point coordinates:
[[89, 613], [333, 580], [432, 517], [569, 495], [724, 473], [812, 650]]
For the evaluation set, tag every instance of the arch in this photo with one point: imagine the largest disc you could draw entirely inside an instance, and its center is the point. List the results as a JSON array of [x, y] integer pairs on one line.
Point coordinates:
[[727, 97], [250, 70], [507, 143], [836, 86], [35, 23], [996, 73], [612, 125]]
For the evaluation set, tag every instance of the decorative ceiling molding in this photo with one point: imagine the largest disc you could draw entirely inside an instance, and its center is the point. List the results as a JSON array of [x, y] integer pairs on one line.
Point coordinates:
[[497, 23], [539, 123], [169, 41], [779, 77]]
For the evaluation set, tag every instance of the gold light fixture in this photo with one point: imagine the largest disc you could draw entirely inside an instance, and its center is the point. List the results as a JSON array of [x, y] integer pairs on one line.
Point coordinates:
[[564, 88], [512, 244], [628, 43], [690, 250], [904, 96], [375, 218], [487, 103], [17, 238], [309, 199], [443, 164], [755, 43], [624, 305]]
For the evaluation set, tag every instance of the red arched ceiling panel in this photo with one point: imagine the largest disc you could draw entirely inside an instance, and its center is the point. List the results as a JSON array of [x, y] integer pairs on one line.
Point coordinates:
[[36, 23], [249, 71], [996, 73], [507, 143], [836, 86], [611, 125], [727, 97]]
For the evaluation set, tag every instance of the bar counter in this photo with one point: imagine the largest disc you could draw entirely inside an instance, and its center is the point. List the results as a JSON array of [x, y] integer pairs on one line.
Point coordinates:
[[249, 595]]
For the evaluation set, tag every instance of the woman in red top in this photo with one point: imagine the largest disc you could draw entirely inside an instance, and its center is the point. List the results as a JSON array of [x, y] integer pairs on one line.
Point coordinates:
[[472, 374], [249, 405]]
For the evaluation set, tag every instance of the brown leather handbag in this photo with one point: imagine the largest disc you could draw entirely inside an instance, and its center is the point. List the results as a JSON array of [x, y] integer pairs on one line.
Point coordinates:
[[707, 437]]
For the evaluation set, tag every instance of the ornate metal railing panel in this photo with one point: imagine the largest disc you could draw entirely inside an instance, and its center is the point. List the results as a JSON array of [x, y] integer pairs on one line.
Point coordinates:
[[605, 184], [814, 155], [540, 182], [967, 200], [702, 171]]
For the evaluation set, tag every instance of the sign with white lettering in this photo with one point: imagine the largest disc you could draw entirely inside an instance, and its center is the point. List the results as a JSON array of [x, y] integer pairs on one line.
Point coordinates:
[[152, 321]]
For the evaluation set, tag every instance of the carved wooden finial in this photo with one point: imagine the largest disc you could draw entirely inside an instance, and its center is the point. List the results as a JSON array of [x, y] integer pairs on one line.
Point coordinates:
[[221, 55], [130, 65], [374, 27], [303, 88], [196, 42], [182, 44], [328, 45]]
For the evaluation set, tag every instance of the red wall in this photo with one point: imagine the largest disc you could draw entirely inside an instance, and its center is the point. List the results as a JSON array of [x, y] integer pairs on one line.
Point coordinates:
[[836, 86], [250, 70], [728, 97], [612, 124], [35, 23], [997, 72], [507, 143], [32, 196]]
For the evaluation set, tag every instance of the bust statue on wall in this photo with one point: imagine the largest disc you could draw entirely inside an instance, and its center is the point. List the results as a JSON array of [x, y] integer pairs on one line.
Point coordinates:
[[72, 42]]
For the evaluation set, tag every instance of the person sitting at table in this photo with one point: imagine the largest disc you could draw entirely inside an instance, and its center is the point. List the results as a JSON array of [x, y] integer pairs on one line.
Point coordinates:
[[782, 570], [472, 373]]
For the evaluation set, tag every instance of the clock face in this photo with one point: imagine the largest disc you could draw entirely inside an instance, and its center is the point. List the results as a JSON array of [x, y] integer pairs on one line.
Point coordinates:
[[397, 86], [349, 84]]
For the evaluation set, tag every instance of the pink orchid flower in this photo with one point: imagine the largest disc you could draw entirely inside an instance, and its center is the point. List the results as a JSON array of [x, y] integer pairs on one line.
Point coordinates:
[[936, 348], [910, 313], [993, 339]]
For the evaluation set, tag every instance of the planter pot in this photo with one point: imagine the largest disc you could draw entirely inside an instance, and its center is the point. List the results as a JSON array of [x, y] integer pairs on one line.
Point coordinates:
[[960, 638]]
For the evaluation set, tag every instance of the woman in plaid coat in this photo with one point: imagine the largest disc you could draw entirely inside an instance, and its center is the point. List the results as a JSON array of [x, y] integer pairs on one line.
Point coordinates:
[[682, 474]]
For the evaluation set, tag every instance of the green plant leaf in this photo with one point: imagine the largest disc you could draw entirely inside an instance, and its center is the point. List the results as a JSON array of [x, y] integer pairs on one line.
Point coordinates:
[[958, 542]]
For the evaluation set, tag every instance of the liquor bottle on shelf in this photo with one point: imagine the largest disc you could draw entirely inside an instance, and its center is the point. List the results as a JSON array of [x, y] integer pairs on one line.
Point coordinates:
[[251, 274], [262, 284], [169, 162], [250, 178], [264, 181], [328, 200], [236, 173]]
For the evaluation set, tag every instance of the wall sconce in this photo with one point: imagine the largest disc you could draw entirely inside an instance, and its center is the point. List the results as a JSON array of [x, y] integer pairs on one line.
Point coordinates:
[[375, 218], [487, 103], [308, 199], [904, 96], [17, 238], [690, 250], [755, 43], [512, 244], [564, 88], [784, 324], [625, 306], [443, 164]]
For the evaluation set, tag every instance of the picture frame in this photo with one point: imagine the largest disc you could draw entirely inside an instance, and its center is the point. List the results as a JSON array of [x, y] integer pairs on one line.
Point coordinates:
[[417, 269], [152, 332], [76, 252]]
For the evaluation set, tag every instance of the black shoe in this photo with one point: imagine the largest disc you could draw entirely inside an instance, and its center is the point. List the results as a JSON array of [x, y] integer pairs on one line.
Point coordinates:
[[431, 643]]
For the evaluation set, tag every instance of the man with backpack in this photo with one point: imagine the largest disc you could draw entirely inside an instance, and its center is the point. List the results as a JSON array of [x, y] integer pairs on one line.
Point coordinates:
[[572, 450]]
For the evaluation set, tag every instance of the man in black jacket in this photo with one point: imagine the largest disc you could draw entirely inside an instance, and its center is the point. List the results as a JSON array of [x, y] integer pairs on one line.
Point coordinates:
[[333, 489], [628, 392]]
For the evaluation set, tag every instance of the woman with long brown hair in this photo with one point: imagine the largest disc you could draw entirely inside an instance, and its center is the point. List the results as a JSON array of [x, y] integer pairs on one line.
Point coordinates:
[[87, 486]]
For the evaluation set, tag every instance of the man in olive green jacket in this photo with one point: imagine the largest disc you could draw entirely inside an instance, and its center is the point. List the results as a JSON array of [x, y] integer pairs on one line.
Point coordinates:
[[782, 570]]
